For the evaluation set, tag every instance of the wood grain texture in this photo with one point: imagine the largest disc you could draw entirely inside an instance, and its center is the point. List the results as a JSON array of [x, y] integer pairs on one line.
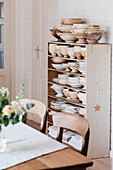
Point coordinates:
[[98, 164], [74, 123], [39, 109], [63, 159]]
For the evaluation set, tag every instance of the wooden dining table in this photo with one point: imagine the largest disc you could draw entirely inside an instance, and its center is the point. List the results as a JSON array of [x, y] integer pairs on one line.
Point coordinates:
[[64, 158]]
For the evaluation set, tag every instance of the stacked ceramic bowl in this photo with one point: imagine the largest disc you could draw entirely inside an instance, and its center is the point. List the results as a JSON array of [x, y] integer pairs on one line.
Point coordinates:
[[70, 108], [71, 94], [58, 66], [82, 66], [58, 60], [82, 111], [56, 104], [78, 31], [93, 34], [83, 82], [62, 79], [70, 52], [58, 90], [52, 49], [83, 52], [65, 29], [73, 66], [74, 81], [63, 50], [82, 97]]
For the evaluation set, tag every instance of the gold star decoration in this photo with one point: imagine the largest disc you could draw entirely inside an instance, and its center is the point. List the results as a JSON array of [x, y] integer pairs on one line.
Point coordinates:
[[97, 108]]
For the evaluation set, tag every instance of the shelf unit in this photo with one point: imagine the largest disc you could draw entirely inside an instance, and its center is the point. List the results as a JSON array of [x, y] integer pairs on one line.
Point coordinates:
[[98, 62]]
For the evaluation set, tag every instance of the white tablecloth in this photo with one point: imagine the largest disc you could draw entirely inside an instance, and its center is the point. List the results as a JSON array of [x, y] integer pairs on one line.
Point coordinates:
[[25, 143]]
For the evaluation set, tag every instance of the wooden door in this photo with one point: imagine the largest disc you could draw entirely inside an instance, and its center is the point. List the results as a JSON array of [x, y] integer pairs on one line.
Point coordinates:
[[44, 17], [5, 43]]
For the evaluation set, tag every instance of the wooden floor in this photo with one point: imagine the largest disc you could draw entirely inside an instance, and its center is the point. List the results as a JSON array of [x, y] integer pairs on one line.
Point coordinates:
[[98, 164]]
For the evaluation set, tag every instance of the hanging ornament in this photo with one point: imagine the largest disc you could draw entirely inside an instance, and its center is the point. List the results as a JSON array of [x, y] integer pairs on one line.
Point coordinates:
[[97, 107]]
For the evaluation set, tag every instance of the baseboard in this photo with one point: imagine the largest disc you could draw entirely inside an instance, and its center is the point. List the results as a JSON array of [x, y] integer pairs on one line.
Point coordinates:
[[111, 153]]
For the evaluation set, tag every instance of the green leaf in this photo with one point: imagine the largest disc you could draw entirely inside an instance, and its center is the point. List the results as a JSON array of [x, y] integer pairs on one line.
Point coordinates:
[[5, 120], [2, 99], [23, 109], [0, 128], [3, 103], [16, 120], [30, 105], [12, 117]]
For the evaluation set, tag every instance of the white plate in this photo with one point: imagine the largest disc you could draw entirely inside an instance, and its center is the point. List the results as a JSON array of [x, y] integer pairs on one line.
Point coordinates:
[[74, 85], [55, 80], [58, 66]]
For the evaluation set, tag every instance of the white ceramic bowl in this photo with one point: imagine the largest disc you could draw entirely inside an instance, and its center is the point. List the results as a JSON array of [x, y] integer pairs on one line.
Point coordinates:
[[71, 21], [82, 111], [63, 79], [73, 64], [63, 50], [58, 60], [77, 49], [80, 26], [58, 66], [64, 28], [70, 52], [55, 80], [66, 92], [58, 90], [66, 66], [83, 52], [52, 45], [82, 97], [58, 51], [52, 51], [56, 107], [83, 81], [67, 37], [73, 94], [73, 80], [62, 76]]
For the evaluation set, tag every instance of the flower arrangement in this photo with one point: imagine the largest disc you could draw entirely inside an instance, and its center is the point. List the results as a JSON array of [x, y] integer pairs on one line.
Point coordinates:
[[12, 111]]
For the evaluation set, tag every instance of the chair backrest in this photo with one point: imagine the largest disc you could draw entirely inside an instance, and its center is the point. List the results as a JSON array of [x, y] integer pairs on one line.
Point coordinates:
[[39, 109], [74, 123]]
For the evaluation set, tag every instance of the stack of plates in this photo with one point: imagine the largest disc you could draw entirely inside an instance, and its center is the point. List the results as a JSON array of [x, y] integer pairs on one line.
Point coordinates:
[[56, 104], [70, 108], [82, 66]]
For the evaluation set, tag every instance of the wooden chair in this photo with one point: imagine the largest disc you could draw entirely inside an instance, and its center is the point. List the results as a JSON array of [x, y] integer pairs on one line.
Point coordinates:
[[39, 109], [74, 123]]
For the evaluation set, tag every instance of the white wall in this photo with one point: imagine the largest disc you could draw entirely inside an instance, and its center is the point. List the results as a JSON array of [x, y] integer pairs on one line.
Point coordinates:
[[23, 45], [96, 12]]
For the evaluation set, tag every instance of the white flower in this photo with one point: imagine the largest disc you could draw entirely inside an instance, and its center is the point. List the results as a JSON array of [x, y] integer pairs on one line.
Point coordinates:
[[15, 106], [7, 110], [4, 92]]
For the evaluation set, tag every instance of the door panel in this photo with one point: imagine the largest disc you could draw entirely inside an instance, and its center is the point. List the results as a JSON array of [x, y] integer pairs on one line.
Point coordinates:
[[45, 16], [5, 43]]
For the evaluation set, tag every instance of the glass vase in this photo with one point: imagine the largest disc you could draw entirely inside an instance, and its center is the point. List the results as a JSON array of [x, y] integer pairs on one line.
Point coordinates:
[[3, 140]]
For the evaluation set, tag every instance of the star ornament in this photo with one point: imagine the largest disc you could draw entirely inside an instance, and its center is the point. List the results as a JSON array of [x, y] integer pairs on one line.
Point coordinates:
[[97, 108]]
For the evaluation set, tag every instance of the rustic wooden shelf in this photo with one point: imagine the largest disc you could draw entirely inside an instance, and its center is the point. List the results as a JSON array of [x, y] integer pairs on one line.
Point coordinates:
[[70, 44], [63, 71], [98, 63], [68, 101], [67, 86], [73, 59]]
